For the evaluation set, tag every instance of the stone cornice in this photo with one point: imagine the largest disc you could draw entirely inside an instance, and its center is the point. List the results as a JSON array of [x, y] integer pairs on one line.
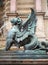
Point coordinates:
[[12, 14], [43, 14], [45, 17], [40, 13], [25, 15], [2, 38]]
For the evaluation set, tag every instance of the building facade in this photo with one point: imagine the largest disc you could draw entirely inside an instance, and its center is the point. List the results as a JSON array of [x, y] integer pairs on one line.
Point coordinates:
[[21, 8]]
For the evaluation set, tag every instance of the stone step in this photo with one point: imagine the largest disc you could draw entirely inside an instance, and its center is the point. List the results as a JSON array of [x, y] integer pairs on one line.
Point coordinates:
[[25, 61], [24, 57], [28, 54]]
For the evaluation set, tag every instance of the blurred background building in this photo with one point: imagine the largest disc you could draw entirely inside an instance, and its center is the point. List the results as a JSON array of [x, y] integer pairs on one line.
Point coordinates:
[[13, 8]]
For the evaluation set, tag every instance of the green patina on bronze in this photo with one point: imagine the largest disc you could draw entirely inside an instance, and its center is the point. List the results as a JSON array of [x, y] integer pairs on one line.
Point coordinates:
[[1, 3], [23, 34]]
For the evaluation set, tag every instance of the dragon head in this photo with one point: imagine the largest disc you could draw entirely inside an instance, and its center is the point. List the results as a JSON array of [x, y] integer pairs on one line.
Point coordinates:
[[16, 21]]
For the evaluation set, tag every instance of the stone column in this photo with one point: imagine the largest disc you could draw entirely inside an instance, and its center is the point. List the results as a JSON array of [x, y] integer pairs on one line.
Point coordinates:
[[38, 5], [40, 21], [12, 6], [40, 28], [12, 13], [46, 8]]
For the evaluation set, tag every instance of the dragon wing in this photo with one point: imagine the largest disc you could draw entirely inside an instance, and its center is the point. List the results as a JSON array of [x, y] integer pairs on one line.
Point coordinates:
[[28, 27], [30, 24]]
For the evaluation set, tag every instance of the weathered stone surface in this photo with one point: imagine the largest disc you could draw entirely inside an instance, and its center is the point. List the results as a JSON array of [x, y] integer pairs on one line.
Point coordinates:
[[22, 57], [28, 54]]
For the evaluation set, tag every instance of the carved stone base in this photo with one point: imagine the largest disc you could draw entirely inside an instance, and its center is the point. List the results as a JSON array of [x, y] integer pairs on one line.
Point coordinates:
[[25, 61], [23, 57]]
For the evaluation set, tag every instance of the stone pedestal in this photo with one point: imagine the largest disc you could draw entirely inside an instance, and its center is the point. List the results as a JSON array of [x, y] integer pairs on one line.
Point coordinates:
[[25, 62], [23, 58]]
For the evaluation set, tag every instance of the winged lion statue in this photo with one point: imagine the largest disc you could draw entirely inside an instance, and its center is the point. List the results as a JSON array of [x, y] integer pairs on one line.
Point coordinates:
[[22, 33]]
